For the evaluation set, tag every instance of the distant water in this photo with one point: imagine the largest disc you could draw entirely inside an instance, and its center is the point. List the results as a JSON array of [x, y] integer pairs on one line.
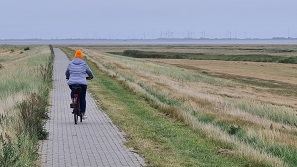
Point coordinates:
[[139, 42]]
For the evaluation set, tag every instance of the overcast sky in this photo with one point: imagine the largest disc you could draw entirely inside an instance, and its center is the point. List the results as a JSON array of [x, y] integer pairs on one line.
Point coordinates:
[[51, 19]]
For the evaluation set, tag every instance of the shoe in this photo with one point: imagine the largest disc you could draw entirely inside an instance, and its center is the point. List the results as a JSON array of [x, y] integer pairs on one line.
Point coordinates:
[[71, 105], [84, 116]]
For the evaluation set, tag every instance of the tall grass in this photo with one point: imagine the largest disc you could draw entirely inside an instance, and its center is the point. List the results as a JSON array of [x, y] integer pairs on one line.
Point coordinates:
[[174, 108], [176, 73], [25, 84], [263, 132], [273, 112]]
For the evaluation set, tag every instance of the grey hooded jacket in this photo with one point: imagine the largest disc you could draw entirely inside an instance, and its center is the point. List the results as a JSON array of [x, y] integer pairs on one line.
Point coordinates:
[[76, 72]]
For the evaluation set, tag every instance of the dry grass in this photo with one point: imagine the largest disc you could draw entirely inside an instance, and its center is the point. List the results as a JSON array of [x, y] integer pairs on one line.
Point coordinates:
[[20, 77], [189, 90], [285, 73]]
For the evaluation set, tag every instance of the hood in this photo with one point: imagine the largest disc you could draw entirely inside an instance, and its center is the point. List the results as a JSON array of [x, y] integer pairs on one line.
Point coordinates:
[[77, 61]]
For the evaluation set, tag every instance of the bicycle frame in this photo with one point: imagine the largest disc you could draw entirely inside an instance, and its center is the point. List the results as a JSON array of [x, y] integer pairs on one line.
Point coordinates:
[[76, 103]]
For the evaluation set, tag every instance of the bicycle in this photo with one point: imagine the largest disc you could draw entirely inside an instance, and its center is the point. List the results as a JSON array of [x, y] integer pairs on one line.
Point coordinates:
[[76, 89]]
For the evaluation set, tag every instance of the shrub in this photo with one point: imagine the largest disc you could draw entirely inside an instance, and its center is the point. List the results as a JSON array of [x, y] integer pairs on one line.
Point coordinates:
[[144, 54], [8, 158], [33, 112], [234, 129], [202, 56], [289, 60], [24, 153], [26, 48]]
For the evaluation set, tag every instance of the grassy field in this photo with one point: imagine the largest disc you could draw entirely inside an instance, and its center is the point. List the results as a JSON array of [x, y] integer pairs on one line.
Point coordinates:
[[24, 86], [200, 113], [254, 57]]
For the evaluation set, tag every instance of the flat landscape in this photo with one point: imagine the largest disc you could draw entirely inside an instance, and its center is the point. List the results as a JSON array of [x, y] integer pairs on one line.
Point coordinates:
[[178, 105], [240, 112]]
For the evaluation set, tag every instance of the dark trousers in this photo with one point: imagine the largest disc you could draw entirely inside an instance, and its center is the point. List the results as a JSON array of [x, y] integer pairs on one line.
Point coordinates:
[[82, 97]]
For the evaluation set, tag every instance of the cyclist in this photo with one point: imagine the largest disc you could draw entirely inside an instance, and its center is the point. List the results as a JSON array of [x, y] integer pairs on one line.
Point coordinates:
[[76, 73]]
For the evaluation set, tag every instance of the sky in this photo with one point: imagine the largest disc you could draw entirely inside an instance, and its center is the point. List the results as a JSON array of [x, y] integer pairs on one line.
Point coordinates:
[[147, 19]]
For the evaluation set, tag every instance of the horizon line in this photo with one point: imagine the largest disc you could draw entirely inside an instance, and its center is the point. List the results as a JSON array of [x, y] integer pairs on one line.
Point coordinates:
[[273, 38]]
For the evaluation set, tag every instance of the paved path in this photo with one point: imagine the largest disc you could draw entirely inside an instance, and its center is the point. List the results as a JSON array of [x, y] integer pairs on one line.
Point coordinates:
[[94, 142]]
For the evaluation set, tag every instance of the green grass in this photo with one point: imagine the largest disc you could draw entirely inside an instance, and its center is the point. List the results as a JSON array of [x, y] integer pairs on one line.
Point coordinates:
[[205, 56], [162, 140], [285, 152], [25, 153], [275, 113], [154, 140]]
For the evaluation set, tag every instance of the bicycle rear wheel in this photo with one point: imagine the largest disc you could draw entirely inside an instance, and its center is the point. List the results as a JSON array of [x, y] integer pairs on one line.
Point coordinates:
[[75, 116]]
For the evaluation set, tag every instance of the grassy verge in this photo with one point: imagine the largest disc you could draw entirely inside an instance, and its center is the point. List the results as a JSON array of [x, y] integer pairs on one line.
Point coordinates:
[[218, 119], [153, 127], [24, 92], [163, 141], [204, 56]]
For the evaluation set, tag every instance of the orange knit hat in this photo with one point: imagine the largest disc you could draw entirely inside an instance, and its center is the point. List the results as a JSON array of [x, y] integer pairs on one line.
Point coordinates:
[[78, 54]]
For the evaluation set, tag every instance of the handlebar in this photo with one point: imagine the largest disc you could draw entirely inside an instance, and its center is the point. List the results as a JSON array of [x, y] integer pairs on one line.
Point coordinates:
[[88, 78]]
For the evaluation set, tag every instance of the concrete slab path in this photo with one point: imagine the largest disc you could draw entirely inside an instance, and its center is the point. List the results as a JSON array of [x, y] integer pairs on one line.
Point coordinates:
[[95, 142]]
